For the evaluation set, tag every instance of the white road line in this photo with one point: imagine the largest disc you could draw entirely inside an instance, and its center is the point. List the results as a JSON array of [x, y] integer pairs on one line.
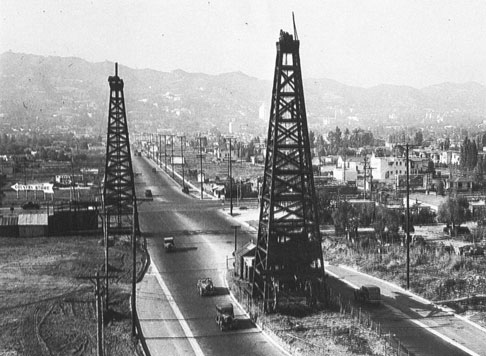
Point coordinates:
[[421, 299], [436, 333], [276, 344], [415, 321], [187, 331]]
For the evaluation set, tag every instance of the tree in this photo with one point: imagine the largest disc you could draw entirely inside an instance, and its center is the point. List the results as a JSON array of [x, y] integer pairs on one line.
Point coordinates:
[[453, 212], [419, 138], [342, 216], [387, 224], [447, 143], [430, 167], [440, 188]]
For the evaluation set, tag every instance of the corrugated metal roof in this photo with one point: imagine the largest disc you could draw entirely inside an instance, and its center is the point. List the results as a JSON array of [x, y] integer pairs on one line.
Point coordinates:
[[9, 220], [33, 219]]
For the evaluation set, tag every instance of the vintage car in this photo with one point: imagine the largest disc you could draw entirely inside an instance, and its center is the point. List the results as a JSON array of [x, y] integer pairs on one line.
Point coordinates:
[[148, 194], [225, 316], [169, 244], [368, 293], [205, 286]]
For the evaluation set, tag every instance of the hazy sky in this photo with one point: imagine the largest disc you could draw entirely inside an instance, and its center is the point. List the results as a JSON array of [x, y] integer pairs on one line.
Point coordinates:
[[357, 42]]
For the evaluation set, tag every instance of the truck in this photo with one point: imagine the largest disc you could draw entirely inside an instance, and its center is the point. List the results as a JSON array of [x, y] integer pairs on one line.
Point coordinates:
[[205, 286], [225, 316], [368, 293]]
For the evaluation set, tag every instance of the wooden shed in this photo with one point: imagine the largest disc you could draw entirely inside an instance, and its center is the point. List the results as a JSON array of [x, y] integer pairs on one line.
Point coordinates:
[[244, 261], [9, 226], [33, 225]]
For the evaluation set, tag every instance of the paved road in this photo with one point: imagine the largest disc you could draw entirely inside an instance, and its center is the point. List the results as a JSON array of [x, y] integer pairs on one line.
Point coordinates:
[[416, 322], [177, 321]]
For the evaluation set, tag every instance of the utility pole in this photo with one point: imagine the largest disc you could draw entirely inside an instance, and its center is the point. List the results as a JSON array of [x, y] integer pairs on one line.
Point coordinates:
[[236, 245], [364, 180], [105, 236], [408, 221], [153, 146], [172, 156], [201, 170], [230, 179], [134, 275], [99, 317], [165, 153], [182, 163], [159, 151], [100, 342]]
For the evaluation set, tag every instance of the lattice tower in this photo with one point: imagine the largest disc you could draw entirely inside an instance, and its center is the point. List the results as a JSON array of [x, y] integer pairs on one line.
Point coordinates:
[[118, 189], [288, 252]]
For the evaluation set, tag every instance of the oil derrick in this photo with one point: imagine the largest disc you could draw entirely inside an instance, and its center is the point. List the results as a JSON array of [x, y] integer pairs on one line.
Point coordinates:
[[288, 253], [119, 187]]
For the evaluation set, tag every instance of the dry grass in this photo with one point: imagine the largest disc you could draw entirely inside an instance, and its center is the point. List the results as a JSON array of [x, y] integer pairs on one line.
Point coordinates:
[[46, 310], [434, 274]]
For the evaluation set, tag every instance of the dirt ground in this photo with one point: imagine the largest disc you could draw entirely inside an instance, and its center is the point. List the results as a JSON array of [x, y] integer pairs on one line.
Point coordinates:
[[46, 309]]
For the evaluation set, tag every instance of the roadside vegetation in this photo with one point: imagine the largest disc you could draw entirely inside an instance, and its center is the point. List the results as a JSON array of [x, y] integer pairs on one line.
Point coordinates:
[[48, 308]]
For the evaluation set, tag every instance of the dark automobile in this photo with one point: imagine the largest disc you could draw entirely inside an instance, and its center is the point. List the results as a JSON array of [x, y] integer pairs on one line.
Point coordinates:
[[205, 286], [225, 316], [148, 193], [30, 206]]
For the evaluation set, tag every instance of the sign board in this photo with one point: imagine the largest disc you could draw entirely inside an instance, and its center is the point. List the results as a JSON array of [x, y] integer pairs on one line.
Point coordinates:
[[45, 187], [177, 160]]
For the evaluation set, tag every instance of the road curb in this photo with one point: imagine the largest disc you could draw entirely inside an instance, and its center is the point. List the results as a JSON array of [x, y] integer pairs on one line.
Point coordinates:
[[274, 339], [423, 300]]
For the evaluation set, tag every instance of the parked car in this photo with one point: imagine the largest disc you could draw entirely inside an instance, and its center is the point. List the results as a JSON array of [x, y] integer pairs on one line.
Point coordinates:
[[169, 244], [30, 205], [148, 193], [368, 293], [205, 286], [225, 316]]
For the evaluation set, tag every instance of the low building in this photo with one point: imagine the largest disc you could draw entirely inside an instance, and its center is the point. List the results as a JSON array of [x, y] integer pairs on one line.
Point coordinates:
[[33, 225], [244, 261]]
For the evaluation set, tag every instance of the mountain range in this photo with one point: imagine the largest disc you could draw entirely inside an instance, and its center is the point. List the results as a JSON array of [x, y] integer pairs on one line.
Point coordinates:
[[68, 93]]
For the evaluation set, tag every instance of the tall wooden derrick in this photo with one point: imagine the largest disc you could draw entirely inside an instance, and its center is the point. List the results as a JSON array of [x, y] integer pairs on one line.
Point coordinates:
[[119, 198], [288, 253]]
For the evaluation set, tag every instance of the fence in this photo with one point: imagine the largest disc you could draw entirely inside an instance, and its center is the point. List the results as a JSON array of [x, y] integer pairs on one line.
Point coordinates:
[[391, 344], [365, 319]]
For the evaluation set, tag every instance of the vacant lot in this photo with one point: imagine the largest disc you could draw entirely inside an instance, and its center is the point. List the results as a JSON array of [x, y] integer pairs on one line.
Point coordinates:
[[47, 309]]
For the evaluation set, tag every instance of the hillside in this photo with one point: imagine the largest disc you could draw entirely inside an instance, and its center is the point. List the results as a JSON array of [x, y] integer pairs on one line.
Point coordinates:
[[56, 93]]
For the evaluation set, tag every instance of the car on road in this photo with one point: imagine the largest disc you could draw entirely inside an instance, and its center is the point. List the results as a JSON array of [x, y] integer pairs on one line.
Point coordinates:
[[205, 286], [30, 205], [148, 193], [225, 316], [169, 244], [368, 293]]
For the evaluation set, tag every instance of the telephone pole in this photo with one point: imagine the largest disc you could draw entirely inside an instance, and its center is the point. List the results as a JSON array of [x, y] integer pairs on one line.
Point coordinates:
[[408, 221], [182, 163], [201, 169]]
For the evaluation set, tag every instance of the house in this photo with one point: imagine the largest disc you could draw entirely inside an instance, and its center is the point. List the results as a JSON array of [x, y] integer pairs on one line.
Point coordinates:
[[390, 167], [450, 157], [460, 184], [349, 168]]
